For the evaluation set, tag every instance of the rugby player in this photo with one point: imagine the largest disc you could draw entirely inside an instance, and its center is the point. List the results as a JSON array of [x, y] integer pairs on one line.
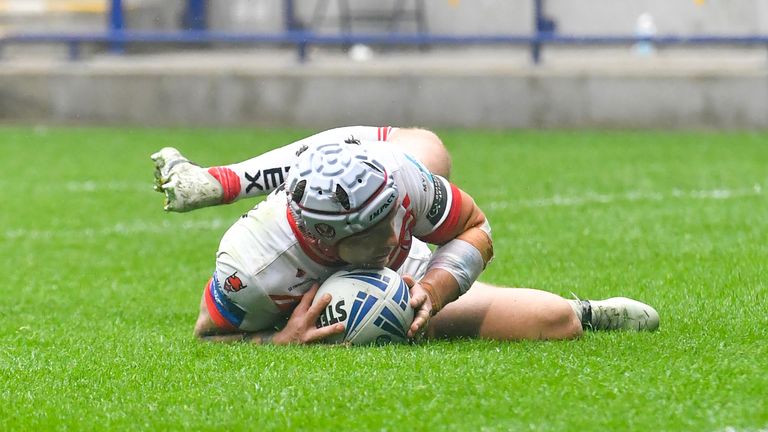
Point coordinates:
[[366, 197]]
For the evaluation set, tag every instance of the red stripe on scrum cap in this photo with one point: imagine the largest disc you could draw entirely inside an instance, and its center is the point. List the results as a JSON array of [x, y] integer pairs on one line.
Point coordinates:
[[306, 247], [230, 182], [213, 312]]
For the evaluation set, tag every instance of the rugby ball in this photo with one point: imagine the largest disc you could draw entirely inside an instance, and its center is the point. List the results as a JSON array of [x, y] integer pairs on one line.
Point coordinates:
[[373, 305]]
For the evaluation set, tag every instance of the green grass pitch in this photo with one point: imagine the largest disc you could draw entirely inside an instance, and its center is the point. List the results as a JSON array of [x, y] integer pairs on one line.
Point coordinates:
[[100, 290]]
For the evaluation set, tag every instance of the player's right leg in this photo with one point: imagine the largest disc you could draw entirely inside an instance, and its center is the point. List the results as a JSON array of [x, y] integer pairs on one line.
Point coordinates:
[[188, 186]]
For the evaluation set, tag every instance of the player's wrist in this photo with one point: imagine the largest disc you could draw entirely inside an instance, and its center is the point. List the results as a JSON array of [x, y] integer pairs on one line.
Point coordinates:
[[435, 299], [263, 338]]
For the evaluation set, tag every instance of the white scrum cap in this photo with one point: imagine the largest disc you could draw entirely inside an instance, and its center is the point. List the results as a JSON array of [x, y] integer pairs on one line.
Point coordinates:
[[338, 190]]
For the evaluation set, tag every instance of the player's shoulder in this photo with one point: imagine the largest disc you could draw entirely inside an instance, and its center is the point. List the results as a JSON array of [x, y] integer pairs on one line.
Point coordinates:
[[262, 233], [393, 158]]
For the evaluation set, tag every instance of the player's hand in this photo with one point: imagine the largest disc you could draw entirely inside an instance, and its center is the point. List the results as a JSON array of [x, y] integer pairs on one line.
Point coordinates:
[[422, 308], [301, 328]]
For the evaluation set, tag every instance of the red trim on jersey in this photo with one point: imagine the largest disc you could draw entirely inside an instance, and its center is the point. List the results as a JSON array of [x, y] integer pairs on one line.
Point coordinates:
[[213, 312], [407, 202], [307, 245], [443, 233], [404, 248], [383, 132], [229, 181]]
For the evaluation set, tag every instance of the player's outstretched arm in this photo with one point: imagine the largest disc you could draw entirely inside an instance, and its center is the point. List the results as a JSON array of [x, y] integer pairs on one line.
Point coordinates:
[[300, 328], [465, 249]]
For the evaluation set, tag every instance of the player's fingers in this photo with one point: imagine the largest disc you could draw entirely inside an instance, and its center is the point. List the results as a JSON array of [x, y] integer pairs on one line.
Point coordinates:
[[314, 311], [308, 296], [418, 300], [419, 322], [409, 280], [324, 332]]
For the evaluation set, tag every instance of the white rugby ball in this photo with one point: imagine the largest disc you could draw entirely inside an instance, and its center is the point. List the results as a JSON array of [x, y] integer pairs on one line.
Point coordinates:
[[373, 305]]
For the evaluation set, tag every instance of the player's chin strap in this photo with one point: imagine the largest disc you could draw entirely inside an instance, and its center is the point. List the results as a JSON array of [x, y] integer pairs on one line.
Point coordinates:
[[464, 257]]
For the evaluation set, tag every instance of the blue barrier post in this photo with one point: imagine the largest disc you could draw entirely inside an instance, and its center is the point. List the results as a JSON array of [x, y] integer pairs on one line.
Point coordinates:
[[293, 26], [536, 46], [544, 27], [116, 26], [195, 15], [74, 50]]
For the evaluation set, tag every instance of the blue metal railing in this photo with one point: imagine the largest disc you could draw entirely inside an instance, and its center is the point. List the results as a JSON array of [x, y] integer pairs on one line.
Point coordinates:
[[117, 37], [116, 25]]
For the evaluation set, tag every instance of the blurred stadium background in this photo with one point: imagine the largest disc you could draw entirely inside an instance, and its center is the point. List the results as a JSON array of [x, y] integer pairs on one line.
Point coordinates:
[[101, 287], [439, 63]]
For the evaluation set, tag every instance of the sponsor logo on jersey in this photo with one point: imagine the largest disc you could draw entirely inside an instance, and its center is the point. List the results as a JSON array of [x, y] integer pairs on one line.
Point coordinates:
[[233, 283], [325, 230], [424, 178], [439, 203], [272, 178]]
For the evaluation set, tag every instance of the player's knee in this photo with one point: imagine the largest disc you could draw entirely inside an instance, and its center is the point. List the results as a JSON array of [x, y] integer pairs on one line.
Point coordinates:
[[560, 322]]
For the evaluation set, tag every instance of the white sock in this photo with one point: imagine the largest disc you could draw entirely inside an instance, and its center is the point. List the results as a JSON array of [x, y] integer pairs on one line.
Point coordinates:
[[583, 311]]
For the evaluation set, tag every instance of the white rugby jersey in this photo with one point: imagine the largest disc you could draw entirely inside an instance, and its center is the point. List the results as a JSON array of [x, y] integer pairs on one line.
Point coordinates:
[[265, 264]]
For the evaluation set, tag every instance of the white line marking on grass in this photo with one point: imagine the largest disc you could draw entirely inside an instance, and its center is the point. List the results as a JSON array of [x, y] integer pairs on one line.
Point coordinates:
[[80, 186], [166, 226], [631, 196], [121, 228], [110, 186], [84, 186]]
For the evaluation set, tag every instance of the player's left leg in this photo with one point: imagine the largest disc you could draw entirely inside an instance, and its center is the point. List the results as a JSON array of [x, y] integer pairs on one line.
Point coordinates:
[[490, 312], [498, 313]]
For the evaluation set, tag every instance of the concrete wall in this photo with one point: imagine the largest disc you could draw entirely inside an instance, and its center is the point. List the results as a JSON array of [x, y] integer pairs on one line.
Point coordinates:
[[516, 16], [443, 16], [499, 88], [670, 16], [496, 97]]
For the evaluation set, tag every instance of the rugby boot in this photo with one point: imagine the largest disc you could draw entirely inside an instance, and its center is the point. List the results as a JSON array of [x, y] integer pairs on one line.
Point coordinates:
[[617, 313], [186, 185]]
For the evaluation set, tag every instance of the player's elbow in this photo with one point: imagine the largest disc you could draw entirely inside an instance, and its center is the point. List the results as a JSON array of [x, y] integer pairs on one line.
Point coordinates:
[[205, 328], [199, 332]]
